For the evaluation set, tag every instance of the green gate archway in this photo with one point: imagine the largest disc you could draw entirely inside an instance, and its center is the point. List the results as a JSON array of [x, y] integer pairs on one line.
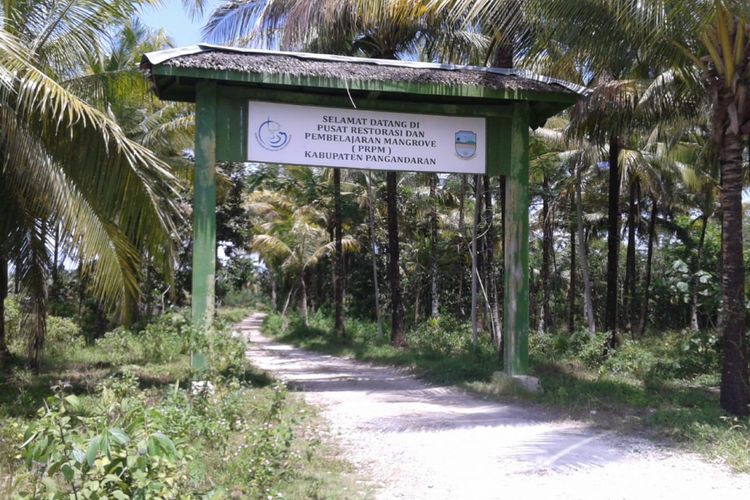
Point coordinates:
[[222, 82]]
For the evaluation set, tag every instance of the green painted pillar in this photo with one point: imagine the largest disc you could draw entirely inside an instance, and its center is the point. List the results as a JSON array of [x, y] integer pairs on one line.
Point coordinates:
[[516, 245], [204, 203]]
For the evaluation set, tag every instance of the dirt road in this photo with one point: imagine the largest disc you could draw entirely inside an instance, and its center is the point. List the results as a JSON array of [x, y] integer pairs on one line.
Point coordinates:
[[414, 440]]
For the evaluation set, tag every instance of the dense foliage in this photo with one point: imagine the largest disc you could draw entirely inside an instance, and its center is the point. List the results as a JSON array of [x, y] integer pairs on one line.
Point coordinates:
[[138, 428]]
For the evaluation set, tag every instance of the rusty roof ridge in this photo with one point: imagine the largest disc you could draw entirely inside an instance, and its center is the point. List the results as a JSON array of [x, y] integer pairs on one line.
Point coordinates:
[[161, 56]]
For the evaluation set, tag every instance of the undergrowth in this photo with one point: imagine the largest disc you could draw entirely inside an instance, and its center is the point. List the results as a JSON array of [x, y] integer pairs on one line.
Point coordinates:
[[122, 419]]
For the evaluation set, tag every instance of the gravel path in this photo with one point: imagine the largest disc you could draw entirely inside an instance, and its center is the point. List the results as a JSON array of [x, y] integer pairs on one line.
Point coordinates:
[[414, 440]]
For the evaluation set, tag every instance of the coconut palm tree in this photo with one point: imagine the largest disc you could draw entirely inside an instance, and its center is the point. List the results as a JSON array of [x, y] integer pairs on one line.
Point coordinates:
[[294, 239], [64, 164], [710, 38]]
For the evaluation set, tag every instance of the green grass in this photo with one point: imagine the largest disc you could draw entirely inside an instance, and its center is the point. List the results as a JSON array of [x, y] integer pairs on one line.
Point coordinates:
[[362, 343], [313, 468], [655, 387]]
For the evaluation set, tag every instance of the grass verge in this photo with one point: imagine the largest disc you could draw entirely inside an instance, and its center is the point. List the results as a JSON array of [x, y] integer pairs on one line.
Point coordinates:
[[245, 438]]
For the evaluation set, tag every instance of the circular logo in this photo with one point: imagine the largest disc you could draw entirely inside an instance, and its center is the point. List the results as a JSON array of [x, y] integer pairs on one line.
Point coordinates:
[[271, 137]]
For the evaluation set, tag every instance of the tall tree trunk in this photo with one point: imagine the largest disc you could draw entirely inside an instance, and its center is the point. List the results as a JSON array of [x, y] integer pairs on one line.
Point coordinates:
[[587, 295], [17, 277], [629, 305], [720, 270], [490, 274], [398, 338], [696, 269], [272, 276], [374, 250], [613, 242], [338, 289], [475, 258], [56, 262], [481, 241], [734, 390], [81, 288], [501, 274], [303, 298], [572, 285], [38, 280], [417, 301], [435, 299], [546, 320], [462, 239], [4, 352], [286, 306], [649, 259]]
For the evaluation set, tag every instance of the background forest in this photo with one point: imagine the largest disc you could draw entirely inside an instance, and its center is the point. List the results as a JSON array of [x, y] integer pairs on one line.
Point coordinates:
[[639, 231]]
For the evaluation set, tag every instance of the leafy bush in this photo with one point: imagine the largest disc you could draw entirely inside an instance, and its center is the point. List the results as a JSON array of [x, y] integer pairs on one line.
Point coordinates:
[[63, 335], [587, 348], [13, 320], [160, 341], [668, 356], [165, 338], [129, 444], [444, 336], [121, 346], [631, 359], [117, 450]]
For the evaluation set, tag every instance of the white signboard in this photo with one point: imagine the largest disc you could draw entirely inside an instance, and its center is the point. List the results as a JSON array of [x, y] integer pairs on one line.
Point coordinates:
[[350, 138]]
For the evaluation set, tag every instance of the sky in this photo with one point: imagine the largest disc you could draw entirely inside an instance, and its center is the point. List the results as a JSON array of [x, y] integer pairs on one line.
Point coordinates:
[[176, 21]]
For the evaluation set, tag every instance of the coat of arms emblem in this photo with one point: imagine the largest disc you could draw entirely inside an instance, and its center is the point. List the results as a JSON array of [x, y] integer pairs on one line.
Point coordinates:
[[466, 144]]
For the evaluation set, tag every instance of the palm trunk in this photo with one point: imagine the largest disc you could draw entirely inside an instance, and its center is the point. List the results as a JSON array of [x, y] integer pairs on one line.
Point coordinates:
[[720, 272], [474, 258], [417, 302], [629, 306], [286, 306], [613, 242], [56, 262], [272, 276], [649, 258], [374, 249], [501, 274], [734, 390], [545, 322], [4, 352], [17, 277], [338, 289], [397, 307], [462, 239], [491, 275], [303, 298], [696, 269], [587, 295], [38, 279], [435, 300], [572, 286], [81, 288]]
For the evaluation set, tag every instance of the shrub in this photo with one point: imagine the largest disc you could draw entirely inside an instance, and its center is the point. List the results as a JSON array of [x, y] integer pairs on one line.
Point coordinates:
[[63, 336], [160, 341], [13, 320], [631, 359], [121, 346], [129, 444], [587, 348], [443, 336], [165, 338], [114, 452]]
